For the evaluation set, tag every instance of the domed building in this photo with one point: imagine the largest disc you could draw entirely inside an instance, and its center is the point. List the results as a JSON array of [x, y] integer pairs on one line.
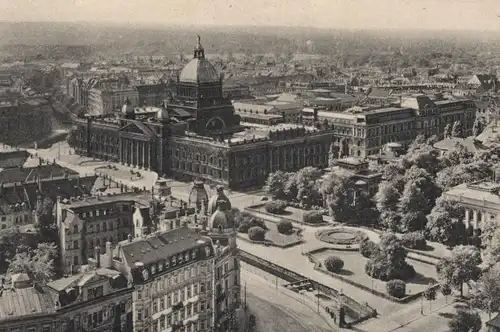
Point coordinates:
[[198, 135], [199, 93]]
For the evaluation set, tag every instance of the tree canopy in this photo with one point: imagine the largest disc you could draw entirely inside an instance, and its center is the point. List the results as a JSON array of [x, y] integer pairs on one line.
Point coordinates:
[[37, 263], [461, 267]]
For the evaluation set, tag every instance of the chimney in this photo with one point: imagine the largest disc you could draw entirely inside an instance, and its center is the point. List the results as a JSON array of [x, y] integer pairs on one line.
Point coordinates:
[[97, 251], [129, 237], [109, 255]]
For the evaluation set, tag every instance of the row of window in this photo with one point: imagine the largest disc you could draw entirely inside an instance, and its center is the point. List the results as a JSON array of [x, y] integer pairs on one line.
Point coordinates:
[[162, 283], [168, 321]]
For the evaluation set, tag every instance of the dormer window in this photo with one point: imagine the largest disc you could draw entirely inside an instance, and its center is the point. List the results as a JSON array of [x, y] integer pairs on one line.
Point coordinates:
[[179, 258], [186, 256], [153, 269], [174, 262], [160, 266], [193, 254], [167, 263]]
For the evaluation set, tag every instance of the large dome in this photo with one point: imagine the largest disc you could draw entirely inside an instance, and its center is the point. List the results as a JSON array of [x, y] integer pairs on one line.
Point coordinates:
[[199, 69]]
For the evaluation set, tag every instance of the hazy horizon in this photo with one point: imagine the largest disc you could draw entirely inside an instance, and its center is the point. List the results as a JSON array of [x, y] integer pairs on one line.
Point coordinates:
[[450, 15]]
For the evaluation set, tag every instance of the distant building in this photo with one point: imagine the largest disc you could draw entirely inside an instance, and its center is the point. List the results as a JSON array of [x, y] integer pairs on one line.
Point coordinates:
[[23, 189], [363, 131]]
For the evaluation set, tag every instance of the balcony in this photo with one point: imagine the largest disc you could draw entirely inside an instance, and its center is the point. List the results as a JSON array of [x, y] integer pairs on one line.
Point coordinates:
[[177, 306]]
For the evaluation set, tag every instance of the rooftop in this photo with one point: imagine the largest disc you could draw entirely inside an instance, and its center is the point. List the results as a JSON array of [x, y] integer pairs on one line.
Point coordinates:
[[17, 303], [142, 198], [160, 246], [27, 174]]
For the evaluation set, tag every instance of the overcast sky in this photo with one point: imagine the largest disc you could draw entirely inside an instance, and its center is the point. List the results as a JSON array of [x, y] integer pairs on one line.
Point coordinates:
[[352, 14]]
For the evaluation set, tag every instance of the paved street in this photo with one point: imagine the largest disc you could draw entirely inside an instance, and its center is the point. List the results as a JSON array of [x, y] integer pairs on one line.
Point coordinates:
[[277, 310]]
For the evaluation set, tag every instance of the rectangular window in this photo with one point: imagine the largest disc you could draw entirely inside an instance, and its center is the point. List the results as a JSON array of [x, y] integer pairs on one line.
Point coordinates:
[[155, 306], [162, 304]]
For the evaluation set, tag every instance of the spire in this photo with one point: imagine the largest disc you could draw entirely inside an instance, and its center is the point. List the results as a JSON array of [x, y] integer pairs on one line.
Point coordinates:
[[199, 52]]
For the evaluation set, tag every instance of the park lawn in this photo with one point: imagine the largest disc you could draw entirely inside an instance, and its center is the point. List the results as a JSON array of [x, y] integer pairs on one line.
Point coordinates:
[[354, 269], [277, 238]]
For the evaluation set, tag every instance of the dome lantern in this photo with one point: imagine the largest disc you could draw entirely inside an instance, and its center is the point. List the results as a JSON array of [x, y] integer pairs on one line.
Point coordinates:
[[199, 70]]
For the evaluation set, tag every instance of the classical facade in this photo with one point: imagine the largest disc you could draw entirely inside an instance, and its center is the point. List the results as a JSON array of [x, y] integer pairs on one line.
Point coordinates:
[[481, 201], [197, 135], [364, 131]]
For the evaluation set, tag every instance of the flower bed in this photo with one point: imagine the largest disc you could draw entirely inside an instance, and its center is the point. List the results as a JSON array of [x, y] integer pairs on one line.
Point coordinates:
[[343, 236]]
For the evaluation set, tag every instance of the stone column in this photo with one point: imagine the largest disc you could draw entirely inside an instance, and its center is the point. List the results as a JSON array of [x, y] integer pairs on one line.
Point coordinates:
[[144, 154], [467, 217], [474, 223], [121, 152], [149, 155], [137, 153]]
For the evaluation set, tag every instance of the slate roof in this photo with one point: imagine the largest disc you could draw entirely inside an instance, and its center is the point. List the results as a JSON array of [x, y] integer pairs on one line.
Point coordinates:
[[16, 303], [26, 174], [160, 246]]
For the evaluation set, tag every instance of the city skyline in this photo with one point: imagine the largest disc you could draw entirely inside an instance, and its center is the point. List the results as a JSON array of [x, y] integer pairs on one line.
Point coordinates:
[[363, 14]]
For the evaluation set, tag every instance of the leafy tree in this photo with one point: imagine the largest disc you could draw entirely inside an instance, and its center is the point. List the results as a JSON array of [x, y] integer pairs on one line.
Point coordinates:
[[389, 262], [444, 223], [305, 184], [11, 241], [458, 155], [387, 197], [492, 250], [461, 267], [391, 221], [456, 130], [423, 155], [411, 205], [462, 173], [487, 296], [426, 183], [275, 185], [465, 321], [38, 263]]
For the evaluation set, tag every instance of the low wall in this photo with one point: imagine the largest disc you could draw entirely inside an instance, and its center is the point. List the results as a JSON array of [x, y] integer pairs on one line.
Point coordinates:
[[403, 300], [363, 312]]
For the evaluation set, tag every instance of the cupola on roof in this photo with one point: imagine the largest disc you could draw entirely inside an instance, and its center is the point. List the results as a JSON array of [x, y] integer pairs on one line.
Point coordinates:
[[199, 69]]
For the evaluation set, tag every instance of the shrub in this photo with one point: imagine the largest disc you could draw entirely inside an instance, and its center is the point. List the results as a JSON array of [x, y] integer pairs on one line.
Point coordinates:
[[285, 227], [313, 217], [396, 288], [367, 248], [275, 207], [247, 221], [414, 240], [334, 264], [256, 233]]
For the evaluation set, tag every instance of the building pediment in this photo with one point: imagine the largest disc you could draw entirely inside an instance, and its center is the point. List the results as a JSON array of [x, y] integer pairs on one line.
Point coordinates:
[[137, 128]]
